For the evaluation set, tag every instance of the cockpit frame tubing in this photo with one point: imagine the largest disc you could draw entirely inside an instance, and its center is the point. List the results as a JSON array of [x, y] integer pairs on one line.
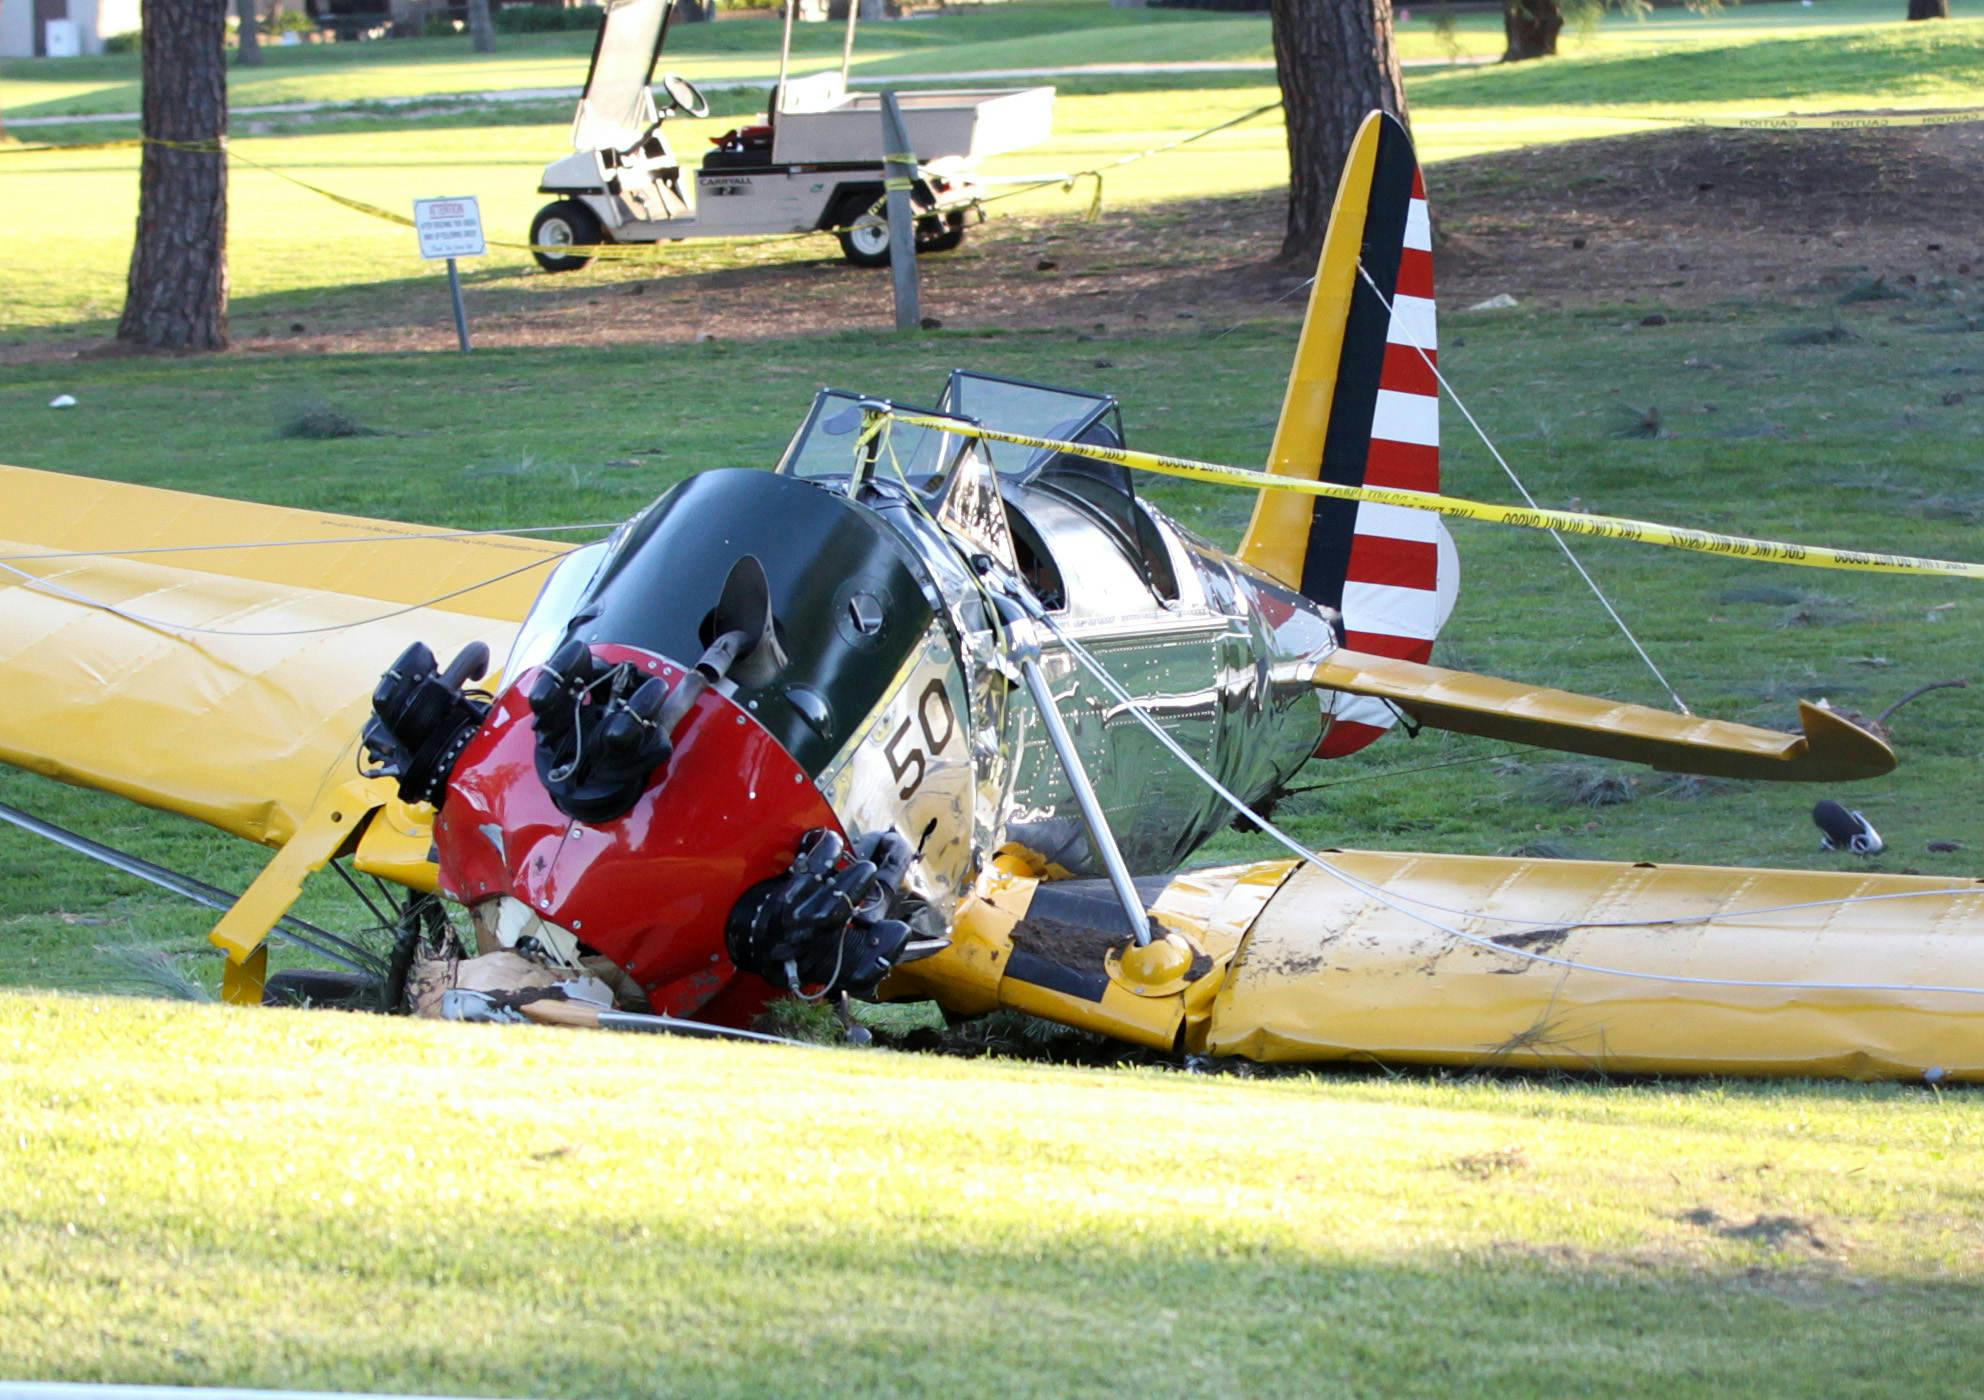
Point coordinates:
[[1026, 654]]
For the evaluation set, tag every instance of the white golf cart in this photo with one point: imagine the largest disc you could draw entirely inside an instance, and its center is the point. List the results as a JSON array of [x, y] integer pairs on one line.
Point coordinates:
[[814, 164]]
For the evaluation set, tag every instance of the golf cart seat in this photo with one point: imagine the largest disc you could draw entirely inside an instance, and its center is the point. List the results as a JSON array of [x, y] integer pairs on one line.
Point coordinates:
[[740, 148], [646, 179]]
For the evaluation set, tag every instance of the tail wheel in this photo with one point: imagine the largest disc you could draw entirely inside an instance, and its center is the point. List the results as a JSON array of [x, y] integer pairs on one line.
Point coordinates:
[[565, 224]]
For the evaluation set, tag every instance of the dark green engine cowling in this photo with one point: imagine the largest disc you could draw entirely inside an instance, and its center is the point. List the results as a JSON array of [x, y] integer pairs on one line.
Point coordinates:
[[847, 601]]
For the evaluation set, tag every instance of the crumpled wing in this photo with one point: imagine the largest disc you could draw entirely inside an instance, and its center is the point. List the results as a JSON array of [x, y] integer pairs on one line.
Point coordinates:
[[1494, 962], [243, 725], [1857, 974]]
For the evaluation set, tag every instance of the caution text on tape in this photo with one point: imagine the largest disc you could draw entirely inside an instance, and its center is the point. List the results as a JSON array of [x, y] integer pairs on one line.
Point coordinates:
[[1531, 518]]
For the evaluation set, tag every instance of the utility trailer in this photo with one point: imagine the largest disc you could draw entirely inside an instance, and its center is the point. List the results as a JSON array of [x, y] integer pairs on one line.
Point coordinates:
[[813, 165]]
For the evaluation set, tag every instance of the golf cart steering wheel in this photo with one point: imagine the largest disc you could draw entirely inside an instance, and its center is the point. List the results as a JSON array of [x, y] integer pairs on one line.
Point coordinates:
[[684, 95]]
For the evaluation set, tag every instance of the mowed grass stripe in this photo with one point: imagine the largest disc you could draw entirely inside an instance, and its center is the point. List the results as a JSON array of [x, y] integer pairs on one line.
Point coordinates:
[[69, 276], [209, 1195]]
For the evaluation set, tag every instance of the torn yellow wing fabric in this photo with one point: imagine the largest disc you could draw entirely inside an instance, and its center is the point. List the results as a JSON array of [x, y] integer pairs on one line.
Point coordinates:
[[1859, 975], [242, 726], [1500, 962]]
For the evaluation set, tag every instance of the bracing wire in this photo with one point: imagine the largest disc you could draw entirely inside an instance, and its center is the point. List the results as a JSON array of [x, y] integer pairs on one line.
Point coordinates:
[[42, 585], [1382, 773], [1599, 593], [1379, 895], [1302, 286], [392, 538]]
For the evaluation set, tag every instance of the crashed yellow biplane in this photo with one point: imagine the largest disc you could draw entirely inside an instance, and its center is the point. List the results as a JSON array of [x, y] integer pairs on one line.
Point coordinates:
[[926, 712]]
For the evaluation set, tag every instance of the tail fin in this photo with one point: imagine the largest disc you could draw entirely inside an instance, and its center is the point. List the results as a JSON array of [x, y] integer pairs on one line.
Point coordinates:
[[1363, 408]]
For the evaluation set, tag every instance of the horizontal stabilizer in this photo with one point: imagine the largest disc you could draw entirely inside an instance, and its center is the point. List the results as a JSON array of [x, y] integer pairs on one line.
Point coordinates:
[[1832, 748]]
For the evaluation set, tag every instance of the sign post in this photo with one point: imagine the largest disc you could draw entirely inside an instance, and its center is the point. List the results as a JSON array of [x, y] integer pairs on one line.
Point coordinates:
[[450, 229]]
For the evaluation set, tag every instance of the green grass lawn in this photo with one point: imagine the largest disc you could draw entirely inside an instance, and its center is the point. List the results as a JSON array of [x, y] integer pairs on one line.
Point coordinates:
[[1841, 443], [286, 240], [203, 1195], [1038, 33]]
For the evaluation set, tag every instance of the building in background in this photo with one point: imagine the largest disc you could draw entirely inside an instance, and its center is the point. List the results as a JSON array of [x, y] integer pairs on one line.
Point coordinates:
[[62, 28]]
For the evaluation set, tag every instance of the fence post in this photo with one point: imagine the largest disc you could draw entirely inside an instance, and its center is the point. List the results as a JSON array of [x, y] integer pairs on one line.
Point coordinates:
[[899, 177]]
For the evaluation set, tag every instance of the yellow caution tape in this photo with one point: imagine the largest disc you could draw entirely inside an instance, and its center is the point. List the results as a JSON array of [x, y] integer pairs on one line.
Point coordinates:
[[207, 147], [1067, 181], [1611, 527], [645, 251], [590, 250], [1794, 121]]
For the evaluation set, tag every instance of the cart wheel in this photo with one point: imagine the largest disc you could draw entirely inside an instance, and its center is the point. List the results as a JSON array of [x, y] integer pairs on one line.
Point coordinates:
[[564, 224], [935, 235], [864, 239]]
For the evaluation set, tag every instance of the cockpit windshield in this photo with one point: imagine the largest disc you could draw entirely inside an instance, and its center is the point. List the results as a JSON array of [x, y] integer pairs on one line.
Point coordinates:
[[550, 616], [828, 443], [828, 446], [1035, 410]]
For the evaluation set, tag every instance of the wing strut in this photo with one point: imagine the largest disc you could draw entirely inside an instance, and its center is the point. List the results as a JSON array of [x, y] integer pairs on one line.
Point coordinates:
[[322, 942], [1831, 749], [242, 933]]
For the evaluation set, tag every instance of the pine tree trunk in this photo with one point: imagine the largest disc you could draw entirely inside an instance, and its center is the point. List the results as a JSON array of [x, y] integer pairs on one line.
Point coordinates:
[[1336, 62], [1530, 29], [1928, 9], [176, 298], [249, 52], [481, 28]]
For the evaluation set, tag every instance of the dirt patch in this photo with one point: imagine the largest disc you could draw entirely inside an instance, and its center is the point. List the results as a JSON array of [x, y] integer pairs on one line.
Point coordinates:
[[1774, 1231], [1670, 218], [1485, 1166], [1690, 217], [1539, 941], [1070, 945]]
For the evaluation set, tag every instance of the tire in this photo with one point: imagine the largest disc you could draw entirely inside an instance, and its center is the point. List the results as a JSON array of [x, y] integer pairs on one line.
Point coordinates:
[[866, 245], [564, 223], [948, 234], [318, 987]]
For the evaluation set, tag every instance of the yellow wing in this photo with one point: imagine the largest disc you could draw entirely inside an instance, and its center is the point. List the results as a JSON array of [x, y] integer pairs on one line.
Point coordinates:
[[230, 683], [1496, 961]]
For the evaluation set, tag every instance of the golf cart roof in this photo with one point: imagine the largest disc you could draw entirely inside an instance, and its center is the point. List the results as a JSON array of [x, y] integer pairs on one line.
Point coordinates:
[[617, 105]]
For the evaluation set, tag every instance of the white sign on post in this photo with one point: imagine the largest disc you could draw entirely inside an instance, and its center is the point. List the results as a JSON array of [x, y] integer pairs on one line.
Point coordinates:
[[449, 228]]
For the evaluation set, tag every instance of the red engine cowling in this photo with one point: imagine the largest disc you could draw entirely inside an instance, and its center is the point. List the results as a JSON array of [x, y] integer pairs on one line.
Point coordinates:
[[651, 889]]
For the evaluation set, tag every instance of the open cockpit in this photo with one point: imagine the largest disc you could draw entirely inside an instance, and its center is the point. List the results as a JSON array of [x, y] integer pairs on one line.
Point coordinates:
[[1080, 535]]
